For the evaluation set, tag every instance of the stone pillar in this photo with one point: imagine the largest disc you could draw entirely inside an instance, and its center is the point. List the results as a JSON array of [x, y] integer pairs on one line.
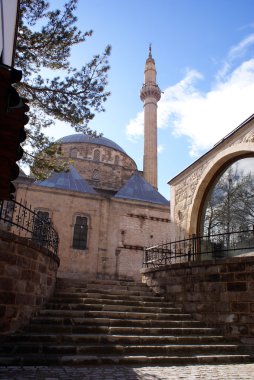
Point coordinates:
[[150, 94]]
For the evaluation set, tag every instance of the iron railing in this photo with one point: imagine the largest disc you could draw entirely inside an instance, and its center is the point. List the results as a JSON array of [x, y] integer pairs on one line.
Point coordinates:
[[21, 220], [200, 248]]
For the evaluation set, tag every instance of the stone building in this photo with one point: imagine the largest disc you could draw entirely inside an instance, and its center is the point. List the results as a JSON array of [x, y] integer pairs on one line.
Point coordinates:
[[211, 274], [191, 188], [103, 208]]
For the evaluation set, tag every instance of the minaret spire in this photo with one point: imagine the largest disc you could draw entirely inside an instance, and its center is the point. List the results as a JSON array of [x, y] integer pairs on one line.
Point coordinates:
[[150, 94], [150, 51]]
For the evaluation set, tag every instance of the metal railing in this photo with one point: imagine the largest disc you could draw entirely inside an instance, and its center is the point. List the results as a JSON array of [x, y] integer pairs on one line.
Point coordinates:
[[200, 248], [21, 220]]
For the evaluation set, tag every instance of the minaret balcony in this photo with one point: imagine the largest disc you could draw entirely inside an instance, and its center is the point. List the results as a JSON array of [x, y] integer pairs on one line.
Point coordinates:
[[150, 90]]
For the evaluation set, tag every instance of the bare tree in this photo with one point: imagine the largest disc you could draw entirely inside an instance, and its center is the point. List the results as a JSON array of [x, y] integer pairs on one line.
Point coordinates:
[[230, 205], [73, 95]]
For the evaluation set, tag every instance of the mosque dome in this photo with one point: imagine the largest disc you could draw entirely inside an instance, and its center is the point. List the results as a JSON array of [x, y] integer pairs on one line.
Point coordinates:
[[84, 138], [100, 161]]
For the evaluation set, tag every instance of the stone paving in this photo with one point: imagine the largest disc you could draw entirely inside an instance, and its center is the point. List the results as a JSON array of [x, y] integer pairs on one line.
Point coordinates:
[[207, 372]]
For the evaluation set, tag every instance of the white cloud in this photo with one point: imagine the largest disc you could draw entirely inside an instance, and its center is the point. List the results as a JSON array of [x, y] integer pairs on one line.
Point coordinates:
[[135, 128], [160, 148], [235, 53], [241, 48], [205, 118]]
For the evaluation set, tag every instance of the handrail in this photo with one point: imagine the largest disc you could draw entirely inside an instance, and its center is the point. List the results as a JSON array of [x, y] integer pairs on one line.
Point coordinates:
[[205, 247], [22, 220]]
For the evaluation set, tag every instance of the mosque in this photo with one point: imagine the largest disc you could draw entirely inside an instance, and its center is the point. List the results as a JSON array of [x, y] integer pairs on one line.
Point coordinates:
[[105, 210]]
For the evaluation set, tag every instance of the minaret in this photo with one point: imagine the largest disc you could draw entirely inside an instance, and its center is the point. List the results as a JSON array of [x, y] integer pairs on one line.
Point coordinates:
[[150, 94]]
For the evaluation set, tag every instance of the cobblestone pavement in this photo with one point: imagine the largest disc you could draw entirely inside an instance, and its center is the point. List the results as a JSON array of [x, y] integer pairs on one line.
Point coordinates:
[[207, 372]]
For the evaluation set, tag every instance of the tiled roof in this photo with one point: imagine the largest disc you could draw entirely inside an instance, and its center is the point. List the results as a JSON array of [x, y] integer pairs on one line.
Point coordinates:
[[83, 138], [69, 180], [137, 188]]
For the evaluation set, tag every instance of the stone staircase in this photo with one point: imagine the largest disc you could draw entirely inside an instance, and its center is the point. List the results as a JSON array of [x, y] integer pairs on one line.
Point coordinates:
[[116, 322]]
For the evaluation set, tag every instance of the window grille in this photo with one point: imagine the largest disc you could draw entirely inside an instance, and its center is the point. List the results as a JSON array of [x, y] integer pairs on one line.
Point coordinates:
[[96, 155], [41, 229], [116, 160], [80, 233], [96, 174]]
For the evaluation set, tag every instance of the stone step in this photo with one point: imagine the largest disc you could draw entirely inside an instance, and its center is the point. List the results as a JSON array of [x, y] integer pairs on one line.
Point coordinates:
[[64, 283], [62, 297], [78, 339], [98, 287], [125, 308], [113, 314], [114, 322], [121, 294], [83, 360], [123, 291], [122, 330], [118, 349], [74, 302]]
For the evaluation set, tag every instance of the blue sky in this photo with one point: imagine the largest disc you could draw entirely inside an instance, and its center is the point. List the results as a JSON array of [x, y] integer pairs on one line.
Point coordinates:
[[204, 54]]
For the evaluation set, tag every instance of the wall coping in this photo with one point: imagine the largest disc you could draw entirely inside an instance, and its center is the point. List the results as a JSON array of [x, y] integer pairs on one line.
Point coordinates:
[[195, 264], [11, 237]]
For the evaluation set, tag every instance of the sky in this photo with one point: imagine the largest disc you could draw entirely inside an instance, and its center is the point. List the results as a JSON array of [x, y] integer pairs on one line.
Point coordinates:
[[204, 55]]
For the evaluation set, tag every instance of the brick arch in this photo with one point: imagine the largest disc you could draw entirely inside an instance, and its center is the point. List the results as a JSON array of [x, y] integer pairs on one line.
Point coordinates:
[[223, 159]]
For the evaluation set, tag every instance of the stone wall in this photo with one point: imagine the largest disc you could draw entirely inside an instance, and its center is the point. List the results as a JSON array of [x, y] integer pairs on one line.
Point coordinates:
[[27, 280], [135, 226], [118, 230], [218, 293], [189, 187], [113, 168]]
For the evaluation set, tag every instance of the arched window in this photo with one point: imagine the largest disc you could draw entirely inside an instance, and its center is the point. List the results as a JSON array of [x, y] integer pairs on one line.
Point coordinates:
[[96, 155], [96, 175], [80, 233], [227, 217], [229, 205], [116, 160], [74, 153]]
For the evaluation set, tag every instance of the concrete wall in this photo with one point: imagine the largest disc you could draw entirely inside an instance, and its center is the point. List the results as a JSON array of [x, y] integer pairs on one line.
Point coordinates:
[[27, 280], [217, 292]]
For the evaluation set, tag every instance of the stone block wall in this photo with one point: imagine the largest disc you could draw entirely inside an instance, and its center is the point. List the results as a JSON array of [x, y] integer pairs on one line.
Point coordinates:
[[189, 187], [118, 230], [218, 293], [113, 167], [27, 280]]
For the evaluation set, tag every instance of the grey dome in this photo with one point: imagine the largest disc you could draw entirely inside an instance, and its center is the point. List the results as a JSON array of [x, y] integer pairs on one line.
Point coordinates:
[[83, 138]]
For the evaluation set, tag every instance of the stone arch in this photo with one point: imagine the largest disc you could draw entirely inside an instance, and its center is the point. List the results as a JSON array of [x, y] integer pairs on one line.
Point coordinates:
[[223, 159]]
